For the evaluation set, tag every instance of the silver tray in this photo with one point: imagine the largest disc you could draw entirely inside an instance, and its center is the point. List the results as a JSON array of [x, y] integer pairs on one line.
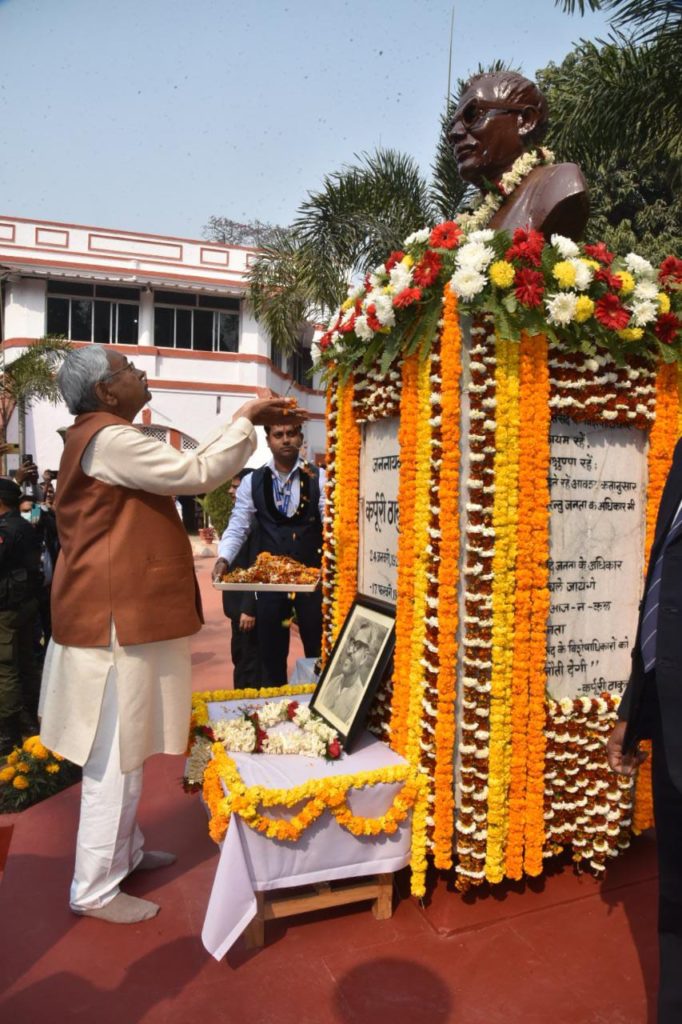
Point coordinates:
[[270, 588]]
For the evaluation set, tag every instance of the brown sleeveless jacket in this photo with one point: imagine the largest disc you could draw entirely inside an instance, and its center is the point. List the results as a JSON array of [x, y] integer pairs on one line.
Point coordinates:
[[124, 556]]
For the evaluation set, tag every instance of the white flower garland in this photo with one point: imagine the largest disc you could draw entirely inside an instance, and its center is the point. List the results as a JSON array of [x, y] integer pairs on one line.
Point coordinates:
[[485, 207], [313, 737]]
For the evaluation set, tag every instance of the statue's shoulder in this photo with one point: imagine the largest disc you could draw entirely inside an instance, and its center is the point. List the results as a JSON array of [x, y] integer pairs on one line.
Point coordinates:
[[565, 179]]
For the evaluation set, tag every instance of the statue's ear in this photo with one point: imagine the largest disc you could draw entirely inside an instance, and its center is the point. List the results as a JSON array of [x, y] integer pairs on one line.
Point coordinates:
[[528, 119]]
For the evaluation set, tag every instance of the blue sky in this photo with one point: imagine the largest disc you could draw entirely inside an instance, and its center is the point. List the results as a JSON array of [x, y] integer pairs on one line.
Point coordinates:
[[151, 115]]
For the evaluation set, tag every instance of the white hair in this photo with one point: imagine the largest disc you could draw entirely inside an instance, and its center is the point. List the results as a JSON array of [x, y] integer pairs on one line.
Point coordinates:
[[81, 370]]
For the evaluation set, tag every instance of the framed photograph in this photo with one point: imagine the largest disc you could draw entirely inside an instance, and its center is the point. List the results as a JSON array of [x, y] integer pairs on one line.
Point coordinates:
[[355, 667]]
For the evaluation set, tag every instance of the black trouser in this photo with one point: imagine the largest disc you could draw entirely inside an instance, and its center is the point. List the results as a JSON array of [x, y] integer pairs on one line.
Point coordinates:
[[245, 656], [668, 815], [19, 672], [273, 637]]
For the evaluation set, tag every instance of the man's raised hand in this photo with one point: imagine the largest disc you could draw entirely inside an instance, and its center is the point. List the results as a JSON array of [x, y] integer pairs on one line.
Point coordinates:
[[267, 412]]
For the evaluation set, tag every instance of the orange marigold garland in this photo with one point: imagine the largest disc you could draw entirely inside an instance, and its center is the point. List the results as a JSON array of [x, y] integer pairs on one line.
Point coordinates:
[[526, 790], [534, 831], [448, 576], [662, 440], [346, 530]]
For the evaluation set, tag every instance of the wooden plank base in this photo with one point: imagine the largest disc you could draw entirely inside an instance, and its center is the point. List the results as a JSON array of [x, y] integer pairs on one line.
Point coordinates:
[[270, 906]]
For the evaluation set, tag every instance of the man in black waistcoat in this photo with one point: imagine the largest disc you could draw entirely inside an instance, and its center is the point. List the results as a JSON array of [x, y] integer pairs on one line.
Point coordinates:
[[240, 608], [285, 498], [20, 582], [651, 708]]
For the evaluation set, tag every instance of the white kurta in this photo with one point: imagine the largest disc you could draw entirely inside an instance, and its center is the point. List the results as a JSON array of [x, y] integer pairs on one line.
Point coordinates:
[[153, 680]]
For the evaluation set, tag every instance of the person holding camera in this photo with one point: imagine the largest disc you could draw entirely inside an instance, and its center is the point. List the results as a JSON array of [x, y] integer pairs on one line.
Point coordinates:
[[20, 582]]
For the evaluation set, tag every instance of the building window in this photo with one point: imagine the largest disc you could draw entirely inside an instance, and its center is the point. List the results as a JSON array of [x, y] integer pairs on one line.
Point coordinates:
[[204, 323], [277, 357], [93, 312], [301, 366]]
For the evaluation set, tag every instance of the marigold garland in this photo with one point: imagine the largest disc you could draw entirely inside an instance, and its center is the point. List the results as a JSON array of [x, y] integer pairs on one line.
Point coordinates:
[[514, 742], [526, 790], [201, 700], [534, 833], [420, 530], [346, 531], [448, 609], [319, 795], [407, 432], [662, 440], [505, 519]]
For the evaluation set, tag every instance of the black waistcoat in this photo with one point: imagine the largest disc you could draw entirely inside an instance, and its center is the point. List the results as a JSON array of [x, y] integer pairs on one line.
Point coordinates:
[[300, 535]]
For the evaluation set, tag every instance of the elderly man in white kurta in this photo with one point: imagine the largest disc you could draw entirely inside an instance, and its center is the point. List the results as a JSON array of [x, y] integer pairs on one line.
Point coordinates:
[[116, 684]]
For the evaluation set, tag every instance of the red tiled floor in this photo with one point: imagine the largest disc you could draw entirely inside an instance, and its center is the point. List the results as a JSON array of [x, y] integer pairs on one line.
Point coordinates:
[[562, 950]]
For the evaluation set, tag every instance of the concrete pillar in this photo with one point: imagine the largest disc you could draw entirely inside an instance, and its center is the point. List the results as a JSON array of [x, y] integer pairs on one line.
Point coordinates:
[[146, 324]]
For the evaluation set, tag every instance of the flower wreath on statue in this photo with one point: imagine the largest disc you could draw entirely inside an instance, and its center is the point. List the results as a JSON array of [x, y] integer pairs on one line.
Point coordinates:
[[249, 734]]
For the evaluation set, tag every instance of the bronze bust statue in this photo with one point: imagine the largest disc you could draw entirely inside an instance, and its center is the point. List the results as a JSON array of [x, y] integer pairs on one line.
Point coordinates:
[[498, 118]]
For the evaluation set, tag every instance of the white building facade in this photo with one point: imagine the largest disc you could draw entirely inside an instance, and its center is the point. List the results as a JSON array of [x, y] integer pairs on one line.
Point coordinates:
[[175, 307]]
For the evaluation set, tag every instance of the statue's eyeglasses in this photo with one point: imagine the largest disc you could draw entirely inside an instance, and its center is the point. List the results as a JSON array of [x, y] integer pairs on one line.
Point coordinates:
[[476, 110]]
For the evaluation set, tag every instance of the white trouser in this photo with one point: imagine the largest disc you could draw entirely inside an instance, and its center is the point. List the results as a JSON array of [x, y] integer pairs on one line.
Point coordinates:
[[109, 843]]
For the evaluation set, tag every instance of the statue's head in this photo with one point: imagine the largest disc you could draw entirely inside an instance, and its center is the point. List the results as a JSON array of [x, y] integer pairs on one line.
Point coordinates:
[[498, 116]]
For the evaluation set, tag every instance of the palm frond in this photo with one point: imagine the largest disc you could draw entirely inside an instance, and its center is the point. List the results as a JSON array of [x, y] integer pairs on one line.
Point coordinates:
[[447, 188], [284, 292], [602, 98], [31, 376], [365, 210]]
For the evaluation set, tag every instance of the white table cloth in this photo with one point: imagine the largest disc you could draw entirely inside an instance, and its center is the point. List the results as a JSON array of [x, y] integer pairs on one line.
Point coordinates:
[[250, 862]]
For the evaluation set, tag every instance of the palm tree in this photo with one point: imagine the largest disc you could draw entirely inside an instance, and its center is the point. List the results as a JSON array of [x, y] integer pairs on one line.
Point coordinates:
[[624, 95], [28, 379], [342, 232]]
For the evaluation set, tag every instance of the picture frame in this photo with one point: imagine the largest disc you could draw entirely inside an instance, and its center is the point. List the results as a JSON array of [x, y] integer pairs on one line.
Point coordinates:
[[355, 667]]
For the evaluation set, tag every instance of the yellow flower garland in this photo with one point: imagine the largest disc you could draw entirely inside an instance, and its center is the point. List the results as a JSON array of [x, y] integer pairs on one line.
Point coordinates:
[[448, 608], [505, 517], [201, 700], [407, 433], [317, 795], [420, 531]]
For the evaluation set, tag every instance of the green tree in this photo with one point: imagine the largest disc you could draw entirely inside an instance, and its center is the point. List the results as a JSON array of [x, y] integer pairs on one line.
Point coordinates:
[[28, 379], [634, 201], [235, 232], [624, 95]]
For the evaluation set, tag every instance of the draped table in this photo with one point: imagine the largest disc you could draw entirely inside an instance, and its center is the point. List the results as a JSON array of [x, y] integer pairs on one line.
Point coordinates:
[[250, 863]]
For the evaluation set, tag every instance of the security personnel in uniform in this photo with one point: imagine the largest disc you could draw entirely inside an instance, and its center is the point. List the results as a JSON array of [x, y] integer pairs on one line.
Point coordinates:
[[20, 581]]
